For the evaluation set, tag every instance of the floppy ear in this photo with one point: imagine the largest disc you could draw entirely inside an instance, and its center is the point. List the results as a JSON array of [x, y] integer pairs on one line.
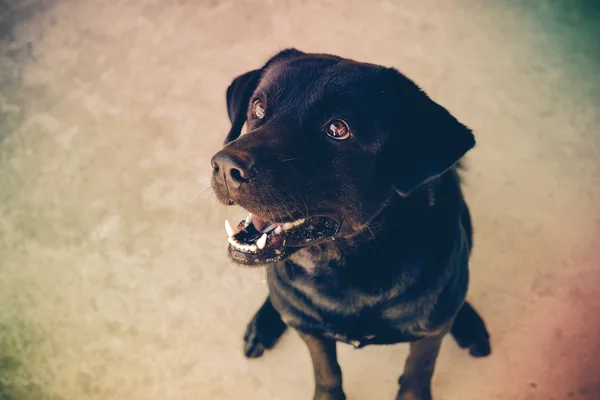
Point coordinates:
[[238, 97], [427, 140], [240, 91]]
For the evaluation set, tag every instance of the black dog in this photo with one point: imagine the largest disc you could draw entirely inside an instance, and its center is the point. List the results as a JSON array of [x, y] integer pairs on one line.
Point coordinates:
[[349, 173]]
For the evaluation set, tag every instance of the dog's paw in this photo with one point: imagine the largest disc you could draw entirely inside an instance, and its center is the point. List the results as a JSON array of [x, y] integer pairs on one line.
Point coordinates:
[[254, 343], [262, 332], [480, 347], [477, 341], [470, 332]]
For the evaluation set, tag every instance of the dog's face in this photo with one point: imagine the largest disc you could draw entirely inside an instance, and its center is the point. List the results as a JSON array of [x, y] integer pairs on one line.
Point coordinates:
[[328, 141]]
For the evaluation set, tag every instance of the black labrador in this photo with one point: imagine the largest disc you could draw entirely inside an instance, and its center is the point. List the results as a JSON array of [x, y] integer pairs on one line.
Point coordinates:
[[349, 172]]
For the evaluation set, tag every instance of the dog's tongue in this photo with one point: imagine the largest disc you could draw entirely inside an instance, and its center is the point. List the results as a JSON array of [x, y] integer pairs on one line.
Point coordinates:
[[260, 224]]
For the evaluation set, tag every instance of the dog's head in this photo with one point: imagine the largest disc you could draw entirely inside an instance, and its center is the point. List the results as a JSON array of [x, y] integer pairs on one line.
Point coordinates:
[[328, 141]]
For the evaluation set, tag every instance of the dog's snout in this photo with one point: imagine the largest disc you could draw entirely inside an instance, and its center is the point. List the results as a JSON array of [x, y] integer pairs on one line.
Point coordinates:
[[234, 167]]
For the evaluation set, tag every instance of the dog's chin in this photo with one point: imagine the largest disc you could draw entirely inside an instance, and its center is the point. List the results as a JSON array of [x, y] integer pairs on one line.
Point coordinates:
[[256, 241]]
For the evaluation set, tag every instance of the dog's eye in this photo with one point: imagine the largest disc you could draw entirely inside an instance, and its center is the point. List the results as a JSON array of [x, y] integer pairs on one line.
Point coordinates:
[[258, 109], [338, 129]]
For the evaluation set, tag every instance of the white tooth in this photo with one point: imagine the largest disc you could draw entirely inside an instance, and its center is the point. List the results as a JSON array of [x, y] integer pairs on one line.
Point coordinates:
[[253, 247], [269, 227], [298, 222], [248, 220], [262, 241], [287, 226], [237, 245], [229, 229], [278, 230]]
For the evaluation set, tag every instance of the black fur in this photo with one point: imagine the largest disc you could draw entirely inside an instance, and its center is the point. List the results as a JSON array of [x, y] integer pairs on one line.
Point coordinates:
[[398, 269]]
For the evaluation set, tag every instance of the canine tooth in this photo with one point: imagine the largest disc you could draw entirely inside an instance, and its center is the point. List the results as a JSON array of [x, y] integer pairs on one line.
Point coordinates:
[[248, 220], [287, 225], [232, 242], [229, 229], [262, 241], [278, 230]]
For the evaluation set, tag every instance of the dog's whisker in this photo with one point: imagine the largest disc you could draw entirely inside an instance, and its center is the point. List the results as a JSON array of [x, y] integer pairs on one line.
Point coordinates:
[[208, 191], [371, 231], [290, 159], [196, 198], [297, 205], [283, 206]]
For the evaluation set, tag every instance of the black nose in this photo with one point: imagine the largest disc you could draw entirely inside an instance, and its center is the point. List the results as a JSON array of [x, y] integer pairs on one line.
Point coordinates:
[[235, 167]]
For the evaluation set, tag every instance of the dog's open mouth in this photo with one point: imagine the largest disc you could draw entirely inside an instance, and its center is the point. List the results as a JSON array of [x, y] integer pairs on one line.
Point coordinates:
[[257, 241]]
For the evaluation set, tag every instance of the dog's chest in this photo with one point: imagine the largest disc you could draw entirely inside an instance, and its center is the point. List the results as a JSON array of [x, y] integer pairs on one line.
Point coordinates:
[[347, 317], [325, 305]]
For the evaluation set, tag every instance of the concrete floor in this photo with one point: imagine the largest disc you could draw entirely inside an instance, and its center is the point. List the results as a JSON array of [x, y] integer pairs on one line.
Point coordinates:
[[114, 281]]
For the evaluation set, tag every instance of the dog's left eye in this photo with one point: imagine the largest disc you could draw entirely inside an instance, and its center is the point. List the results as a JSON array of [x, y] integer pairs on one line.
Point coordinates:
[[338, 129], [258, 109]]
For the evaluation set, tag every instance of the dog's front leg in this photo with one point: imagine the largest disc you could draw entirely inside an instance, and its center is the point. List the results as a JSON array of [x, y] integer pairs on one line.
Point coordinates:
[[415, 382], [328, 375]]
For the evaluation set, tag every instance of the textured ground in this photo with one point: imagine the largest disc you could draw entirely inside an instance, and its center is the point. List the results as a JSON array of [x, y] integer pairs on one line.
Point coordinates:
[[114, 282]]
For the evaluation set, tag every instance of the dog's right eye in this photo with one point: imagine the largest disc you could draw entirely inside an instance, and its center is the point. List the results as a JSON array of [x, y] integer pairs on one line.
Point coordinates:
[[338, 129], [258, 109]]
